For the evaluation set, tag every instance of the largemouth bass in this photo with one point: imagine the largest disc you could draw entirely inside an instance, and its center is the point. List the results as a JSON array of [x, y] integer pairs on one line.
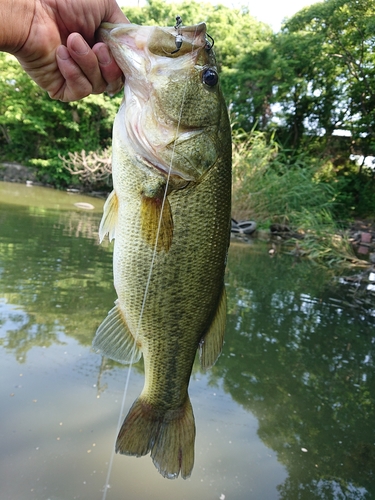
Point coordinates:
[[169, 213]]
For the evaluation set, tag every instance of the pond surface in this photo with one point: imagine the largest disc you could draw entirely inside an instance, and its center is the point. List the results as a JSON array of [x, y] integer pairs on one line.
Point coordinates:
[[287, 412]]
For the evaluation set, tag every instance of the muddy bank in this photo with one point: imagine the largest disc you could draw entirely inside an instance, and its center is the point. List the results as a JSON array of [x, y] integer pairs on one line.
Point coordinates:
[[15, 172], [361, 232]]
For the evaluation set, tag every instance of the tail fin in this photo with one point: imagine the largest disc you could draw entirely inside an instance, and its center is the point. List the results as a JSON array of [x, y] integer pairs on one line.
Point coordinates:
[[169, 435]]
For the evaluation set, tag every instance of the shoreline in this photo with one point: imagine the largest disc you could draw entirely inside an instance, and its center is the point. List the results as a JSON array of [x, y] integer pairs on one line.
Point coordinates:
[[361, 231], [20, 174]]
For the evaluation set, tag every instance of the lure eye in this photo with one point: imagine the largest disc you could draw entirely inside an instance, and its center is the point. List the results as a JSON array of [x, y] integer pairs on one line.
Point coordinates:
[[210, 77]]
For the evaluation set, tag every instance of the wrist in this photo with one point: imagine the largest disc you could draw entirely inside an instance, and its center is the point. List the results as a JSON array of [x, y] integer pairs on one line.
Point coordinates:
[[15, 22]]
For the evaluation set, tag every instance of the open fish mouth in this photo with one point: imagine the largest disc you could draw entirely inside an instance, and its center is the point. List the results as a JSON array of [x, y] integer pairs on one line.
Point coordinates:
[[137, 38]]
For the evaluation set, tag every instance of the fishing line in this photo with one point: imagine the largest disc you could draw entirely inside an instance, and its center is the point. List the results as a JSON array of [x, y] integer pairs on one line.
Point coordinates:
[[110, 463], [120, 417]]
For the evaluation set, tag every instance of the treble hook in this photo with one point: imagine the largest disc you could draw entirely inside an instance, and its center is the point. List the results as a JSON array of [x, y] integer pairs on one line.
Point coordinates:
[[178, 40], [209, 45], [178, 22]]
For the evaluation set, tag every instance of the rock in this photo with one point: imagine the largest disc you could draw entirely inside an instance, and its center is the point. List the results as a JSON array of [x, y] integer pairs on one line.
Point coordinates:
[[366, 237], [15, 172], [363, 250], [84, 205], [279, 228]]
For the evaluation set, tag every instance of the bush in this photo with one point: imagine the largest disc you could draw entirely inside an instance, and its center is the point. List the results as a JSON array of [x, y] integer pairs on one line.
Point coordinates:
[[270, 184], [92, 169]]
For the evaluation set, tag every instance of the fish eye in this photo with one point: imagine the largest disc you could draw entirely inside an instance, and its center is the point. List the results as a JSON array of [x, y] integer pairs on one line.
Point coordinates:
[[210, 77]]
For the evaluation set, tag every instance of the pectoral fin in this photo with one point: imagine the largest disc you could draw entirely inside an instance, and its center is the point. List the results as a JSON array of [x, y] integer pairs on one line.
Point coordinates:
[[109, 220], [212, 343], [114, 339], [153, 213]]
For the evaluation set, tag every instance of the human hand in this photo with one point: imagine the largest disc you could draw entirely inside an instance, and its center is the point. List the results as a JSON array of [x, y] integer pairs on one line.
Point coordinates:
[[60, 53]]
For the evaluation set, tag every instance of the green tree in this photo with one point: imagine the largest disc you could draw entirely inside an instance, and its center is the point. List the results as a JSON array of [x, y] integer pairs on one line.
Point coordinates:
[[36, 129], [327, 77]]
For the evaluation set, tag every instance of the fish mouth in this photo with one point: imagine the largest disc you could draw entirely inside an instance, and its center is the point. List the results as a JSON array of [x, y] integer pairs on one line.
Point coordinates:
[[134, 46], [136, 37]]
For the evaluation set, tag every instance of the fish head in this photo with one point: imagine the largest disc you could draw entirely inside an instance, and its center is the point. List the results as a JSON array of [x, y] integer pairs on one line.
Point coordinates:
[[173, 107]]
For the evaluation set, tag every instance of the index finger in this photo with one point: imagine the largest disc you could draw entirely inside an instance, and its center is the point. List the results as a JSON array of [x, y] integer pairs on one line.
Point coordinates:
[[87, 61], [74, 83], [110, 71]]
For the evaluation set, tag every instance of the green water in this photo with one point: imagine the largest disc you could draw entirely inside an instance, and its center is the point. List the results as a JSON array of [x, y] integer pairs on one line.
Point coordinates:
[[286, 413]]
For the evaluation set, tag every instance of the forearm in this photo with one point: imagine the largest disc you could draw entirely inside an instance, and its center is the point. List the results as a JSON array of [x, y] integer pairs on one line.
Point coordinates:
[[15, 21]]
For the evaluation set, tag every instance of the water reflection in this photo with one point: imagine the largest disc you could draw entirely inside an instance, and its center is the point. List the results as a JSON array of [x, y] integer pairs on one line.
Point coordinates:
[[295, 357], [52, 265], [309, 366]]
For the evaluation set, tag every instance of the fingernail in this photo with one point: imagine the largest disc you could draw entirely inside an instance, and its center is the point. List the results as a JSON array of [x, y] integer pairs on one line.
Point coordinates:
[[103, 55], [79, 45], [114, 87], [62, 53]]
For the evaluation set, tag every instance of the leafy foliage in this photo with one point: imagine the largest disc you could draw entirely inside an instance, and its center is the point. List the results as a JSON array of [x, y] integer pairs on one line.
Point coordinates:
[[35, 129], [269, 185], [327, 81]]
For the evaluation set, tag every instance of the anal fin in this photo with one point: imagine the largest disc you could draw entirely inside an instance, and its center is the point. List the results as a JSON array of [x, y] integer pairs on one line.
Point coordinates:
[[114, 340], [212, 342]]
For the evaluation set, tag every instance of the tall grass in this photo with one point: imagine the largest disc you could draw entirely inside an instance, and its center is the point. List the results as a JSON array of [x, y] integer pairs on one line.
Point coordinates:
[[270, 185]]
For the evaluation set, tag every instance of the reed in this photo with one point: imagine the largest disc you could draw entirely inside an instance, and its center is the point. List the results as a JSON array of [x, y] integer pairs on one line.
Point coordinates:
[[271, 185]]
